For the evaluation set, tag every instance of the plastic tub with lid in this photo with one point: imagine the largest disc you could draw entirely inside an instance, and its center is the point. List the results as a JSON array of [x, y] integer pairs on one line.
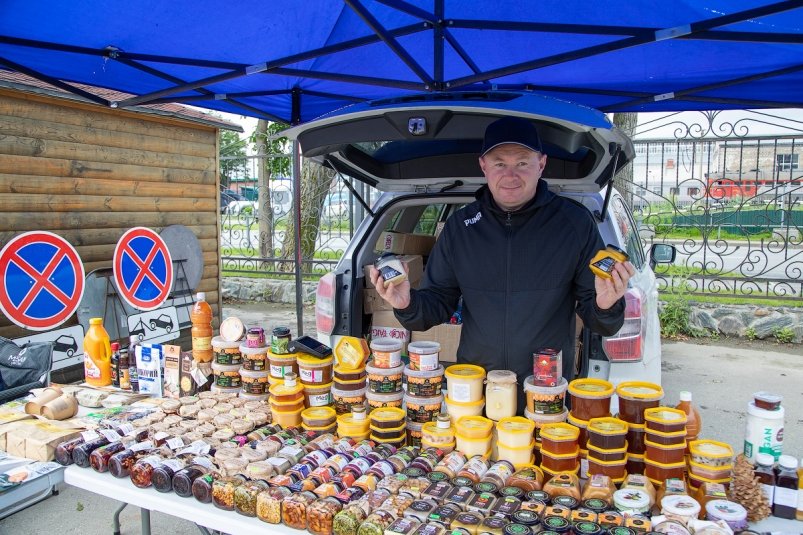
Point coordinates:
[[564, 462], [559, 438], [711, 453], [477, 427], [346, 386], [281, 365], [315, 371], [415, 435], [319, 416], [664, 439], [464, 382], [353, 424], [636, 435], [545, 399], [286, 405], [473, 446], [346, 374], [386, 352], [389, 434], [632, 500], [423, 383], [423, 410], [377, 401], [635, 397], [344, 400], [254, 397], [607, 433], [254, 382], [226, 376], [635, 464], [226, 353], [549, 474], [446, 447], [695, 481], [582, 425], [612, 469], [387, 418], [660, 472], [289, 390], [441, 431], [710, 472], [515, 431], [613, 455], [424, 355], [732, 513], [384, 380], [255, 359], [666, 454], [351, 353], [330, 429], [230, 390], [541, 420], [318, 395], [501, 393], [591, 398], [517, 456], [665, 420], [457, 410], [287, 418], [396, 443]]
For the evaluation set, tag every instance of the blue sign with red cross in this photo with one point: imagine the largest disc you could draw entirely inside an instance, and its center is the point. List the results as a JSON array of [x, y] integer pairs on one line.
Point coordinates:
[[143, 269], [41, 280]]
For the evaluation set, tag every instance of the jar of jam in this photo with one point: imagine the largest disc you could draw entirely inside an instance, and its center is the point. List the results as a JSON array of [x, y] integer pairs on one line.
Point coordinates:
[[162, 477], [63, 453], [121, 462], [80, 454], [202, 486], [99, 459], [142, 471], [184, 478], [280, 341], [245, 497], [223, 491]]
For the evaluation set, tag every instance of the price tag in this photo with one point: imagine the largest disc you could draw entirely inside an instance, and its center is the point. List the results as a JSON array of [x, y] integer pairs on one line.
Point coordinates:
[[175, 443], [161, 435], [206, 463], [127, 429], [146, 445], [110, 434], [90, 435]]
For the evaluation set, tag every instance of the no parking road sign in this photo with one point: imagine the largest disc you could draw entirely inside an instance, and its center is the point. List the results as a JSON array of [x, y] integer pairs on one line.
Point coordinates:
[[41, 280], [143, 269]]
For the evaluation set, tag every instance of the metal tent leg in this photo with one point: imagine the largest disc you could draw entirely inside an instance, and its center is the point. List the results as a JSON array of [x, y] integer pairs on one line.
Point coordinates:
[[116, 519], [145, 518]]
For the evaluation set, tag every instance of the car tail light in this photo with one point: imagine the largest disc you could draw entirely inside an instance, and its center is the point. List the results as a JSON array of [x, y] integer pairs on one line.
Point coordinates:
[[627, 345], [325, 304]]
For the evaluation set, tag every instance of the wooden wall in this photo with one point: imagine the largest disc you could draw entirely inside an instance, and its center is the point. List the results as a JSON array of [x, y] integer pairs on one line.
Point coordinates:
[[89, 173]]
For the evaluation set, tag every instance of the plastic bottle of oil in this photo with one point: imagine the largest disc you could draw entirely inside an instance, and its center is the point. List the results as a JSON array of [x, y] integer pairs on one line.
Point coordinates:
[[97, 354], [201, 317], [694, 422]]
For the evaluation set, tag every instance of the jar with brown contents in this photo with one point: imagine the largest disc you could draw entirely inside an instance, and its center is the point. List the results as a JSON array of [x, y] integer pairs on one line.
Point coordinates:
[[142, 471], [162, 478], [321, 515], [245, 497], [183, 479], [80, 454], [294, 509], [63, 453], [99, 459], [223, 491], [202, 486], [120, 463]]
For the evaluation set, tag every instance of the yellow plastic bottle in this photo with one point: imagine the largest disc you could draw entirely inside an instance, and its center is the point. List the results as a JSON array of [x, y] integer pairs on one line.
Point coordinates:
[[799, 512], [201, 317], [97, 354]]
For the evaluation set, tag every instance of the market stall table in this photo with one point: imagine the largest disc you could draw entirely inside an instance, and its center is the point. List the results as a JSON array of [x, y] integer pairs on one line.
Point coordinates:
[[205, 515]]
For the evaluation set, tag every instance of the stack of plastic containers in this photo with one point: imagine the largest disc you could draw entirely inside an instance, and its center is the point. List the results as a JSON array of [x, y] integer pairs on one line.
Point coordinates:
[[388, 425], [709, 462], [316, 374], [665, 441], [590, 398], [278, 361], [385, 376], [423, 380], [545, 392], [464, 391], [226, 365], [473, 436], [515, 442], [439, 434], [607, 448], [634, 398], [559, 448], [287, 401], [319, 419], [349, 378], [354, 425]]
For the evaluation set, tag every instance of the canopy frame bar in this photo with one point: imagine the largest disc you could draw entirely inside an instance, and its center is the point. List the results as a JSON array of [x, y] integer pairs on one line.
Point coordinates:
[[405, 7], [53, 81]]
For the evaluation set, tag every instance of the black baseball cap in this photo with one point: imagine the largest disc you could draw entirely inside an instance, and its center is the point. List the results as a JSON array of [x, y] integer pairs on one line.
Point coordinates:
[[511, 130]]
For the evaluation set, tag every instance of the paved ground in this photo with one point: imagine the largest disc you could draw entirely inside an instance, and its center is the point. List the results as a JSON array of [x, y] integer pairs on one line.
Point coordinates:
[[722, 378]]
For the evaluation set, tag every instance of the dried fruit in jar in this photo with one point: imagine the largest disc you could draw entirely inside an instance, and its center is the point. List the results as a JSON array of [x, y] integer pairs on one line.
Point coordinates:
[[321, 515]]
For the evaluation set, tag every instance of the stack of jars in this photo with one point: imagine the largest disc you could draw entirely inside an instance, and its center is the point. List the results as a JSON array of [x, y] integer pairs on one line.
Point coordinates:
[[515, 442], [316, 375], [560, 448], [354, 424], [438, 434], [319, 420], [254, 374], [473, 435], [423, 380], [287, 401], [385, 375], [590, 398], [388, 426], [278, 360], [634, 398], [607, 448], [349, 377], [464, 391], [665, 441], [709, 462], [226, 364]]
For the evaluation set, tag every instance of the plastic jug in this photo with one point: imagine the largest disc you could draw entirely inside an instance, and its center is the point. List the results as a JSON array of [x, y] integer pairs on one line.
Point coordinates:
[[201, 317], [694, 422], [97, 354]]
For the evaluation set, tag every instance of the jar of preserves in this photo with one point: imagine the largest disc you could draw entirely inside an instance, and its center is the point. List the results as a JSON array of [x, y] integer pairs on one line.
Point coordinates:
[[183, 479], [500, 394], [121, 462], [321, 516], [162, 477], [269, 504], [223, 491], [280, 341], [99, 459], [81, 453], [245, 496], [63, 453], [142, 471], [202, 486]]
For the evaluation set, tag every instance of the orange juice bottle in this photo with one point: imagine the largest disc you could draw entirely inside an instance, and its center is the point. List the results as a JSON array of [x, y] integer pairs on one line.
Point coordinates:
[[97, 354], [201, 317]]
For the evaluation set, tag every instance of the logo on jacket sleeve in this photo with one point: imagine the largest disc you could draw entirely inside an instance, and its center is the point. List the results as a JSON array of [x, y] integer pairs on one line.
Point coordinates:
[[473, 220]]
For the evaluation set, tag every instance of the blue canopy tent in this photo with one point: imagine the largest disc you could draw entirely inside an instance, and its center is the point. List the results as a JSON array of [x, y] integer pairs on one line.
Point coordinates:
[[294, 60]]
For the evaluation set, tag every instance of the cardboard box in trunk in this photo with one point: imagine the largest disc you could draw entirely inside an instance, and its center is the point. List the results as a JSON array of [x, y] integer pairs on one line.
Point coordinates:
[[385, 325], [415, 270], [401, 243], [446, 334]]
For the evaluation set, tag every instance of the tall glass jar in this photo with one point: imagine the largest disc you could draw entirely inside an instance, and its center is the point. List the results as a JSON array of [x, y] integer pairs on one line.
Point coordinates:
[[500, 394]]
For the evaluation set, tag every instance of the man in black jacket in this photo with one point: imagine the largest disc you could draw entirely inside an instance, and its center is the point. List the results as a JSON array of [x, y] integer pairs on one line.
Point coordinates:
[[519, 257]]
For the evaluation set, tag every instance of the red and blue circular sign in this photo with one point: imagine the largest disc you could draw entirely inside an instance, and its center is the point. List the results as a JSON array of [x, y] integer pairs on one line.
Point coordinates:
[[41, 280], [143, 269]]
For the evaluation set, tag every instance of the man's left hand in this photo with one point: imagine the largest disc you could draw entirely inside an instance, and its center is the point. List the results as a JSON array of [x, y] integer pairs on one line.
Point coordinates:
[[609, 291]]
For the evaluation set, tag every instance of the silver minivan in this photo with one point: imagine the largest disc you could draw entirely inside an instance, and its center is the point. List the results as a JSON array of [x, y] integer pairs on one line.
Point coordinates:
[[422, 152]]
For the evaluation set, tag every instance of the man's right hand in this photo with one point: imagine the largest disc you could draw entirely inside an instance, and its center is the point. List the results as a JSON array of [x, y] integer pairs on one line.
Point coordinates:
[[396, 295]]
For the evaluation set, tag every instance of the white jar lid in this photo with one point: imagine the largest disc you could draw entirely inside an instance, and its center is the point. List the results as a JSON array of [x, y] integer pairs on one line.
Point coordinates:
[[725, 510], [680, 505], [631, 499]]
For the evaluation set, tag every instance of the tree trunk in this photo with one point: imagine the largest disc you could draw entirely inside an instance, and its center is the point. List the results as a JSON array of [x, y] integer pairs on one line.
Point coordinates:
[[264, 207], [315, 184], [623, 181]]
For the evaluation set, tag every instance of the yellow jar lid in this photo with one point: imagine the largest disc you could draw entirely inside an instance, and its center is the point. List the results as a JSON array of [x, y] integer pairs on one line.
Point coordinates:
[[319, 413], [399, 429], [529, 446], [474, 425], [593, 459], [708, 467], [316, 387], [577, 422], [287, 403], [282, 356], [431, 428], [464, 403], [461, 436], [278, 411], [440, 445], [640, 390], [387, 414], [560, 456], [564, 473], [637, 457], [529, 464], [516, 425], [338, 369], [607, 426], [280, 389], [655, 445], [673, 434], [386, 440], [347, 420], [711, 449], [351, 352], [310, 360], [465, 371], [681, 464], [596, 449], [560, 432], [665, 415], [591, 388]]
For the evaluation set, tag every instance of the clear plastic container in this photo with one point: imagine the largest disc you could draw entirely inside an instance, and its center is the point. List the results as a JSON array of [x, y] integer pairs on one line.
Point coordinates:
[[318, 395], [387, 418], [255, 359], [545, 399], [607, 433], [439, 432], [386, 352], [226, 376], [457, 410], [317, 417], [591, 398], [559, 438], [565, 462], [289, 391], [613, 469], [423, 410], [664, 439], [500, 394], [291, 418], [608, 455], [314, 371], [464, 382], [350, 426], [665, 454], [715, 473], [473, 446], [474, 427], [635, 464], [542, 419], [423, 383], [377, 401], [347, 374], [517, 456], [281, 365], [665, 420], [636, 436], [711, 453], [424, 355], [659, 472], [515, 431], [635, 397]]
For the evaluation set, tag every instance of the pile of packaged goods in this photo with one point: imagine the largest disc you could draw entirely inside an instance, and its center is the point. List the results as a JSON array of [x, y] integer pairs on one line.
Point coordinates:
[[350, 375], [422, 379]]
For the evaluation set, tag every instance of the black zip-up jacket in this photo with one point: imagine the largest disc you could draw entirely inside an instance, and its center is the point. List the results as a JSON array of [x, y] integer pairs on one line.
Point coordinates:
[[522, 276]]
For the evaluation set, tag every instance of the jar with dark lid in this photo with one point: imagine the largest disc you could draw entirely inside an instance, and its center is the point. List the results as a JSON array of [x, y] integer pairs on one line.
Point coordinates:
[[280, 340], [528, 518], [595, 505], [162, 477], [245, 497], [63, 453], [223, 491], [99, 459], [121, 462], [413, 471], [557, 524], [81, 453], [437, 477], [493, 524], [517, 529], [202, 486], [462, 481], [486, 486], [513, 492], [539, 495], [568, 502], [183, 479], [588, 528]]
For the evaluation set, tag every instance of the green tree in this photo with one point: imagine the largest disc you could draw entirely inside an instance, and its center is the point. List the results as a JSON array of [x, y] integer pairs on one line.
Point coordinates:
[[232, 156], [623, 181]]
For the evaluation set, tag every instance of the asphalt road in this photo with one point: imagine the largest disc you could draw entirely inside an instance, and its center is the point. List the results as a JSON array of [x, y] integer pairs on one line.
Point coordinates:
[[721, 377]]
